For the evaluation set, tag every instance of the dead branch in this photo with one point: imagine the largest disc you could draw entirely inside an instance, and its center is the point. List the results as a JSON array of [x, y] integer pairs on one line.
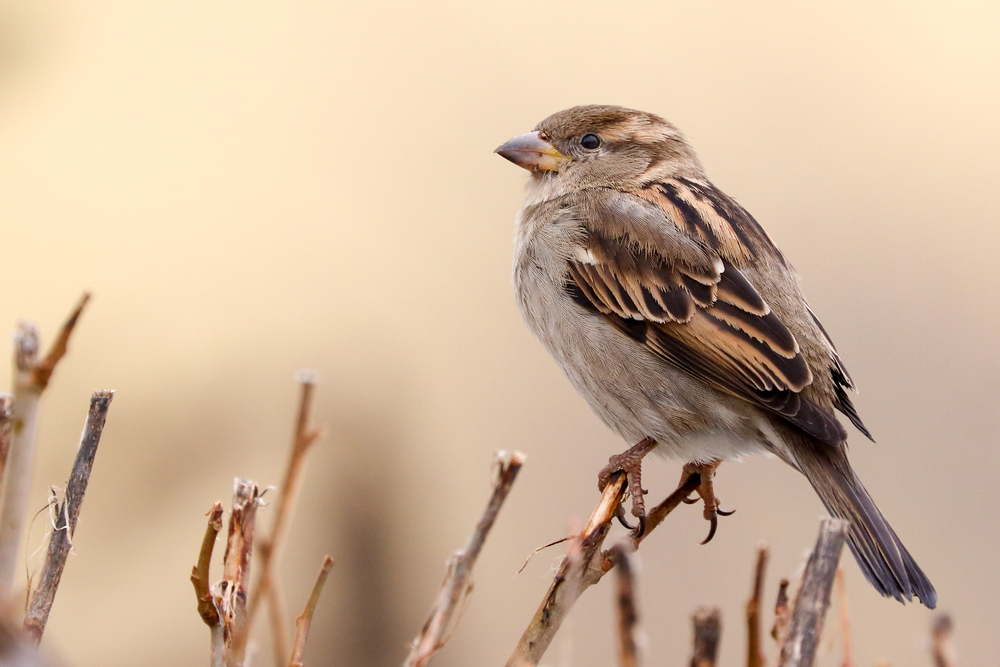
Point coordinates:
[[200, 572], [561, 597], [707, 629], [458, 579], [628, 616], [755, 650], [303, 621], [231, 592], [943, 649], [67, 515], [270, 549], [813, 597], [31, 377]]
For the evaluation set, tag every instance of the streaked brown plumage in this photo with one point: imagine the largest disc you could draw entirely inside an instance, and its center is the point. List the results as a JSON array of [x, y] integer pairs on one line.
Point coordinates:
[[678, 319]]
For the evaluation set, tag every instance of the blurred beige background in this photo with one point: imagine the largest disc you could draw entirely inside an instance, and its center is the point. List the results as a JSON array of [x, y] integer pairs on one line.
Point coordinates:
[[254, 188]]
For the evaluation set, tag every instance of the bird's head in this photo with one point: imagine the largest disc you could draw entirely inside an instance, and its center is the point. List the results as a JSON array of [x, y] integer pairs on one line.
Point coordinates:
[[602, 146]]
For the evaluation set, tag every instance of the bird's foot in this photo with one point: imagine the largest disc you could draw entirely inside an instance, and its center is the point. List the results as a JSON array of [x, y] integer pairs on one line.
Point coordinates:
[[630, 463], [706, 492]]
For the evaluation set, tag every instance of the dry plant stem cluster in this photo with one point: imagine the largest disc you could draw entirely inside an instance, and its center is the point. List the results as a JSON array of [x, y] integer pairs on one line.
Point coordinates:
[[66, 516], [458, 579], [579, 573], [31, 377], [303, 438], [797, 626], [227, 608]]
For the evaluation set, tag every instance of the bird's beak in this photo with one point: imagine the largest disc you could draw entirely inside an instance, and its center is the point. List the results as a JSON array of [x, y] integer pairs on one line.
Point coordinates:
[[533, 153]]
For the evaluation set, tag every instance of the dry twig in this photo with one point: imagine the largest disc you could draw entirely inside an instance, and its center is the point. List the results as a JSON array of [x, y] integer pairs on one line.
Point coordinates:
[[303, 621], [707, 629], [564, 591], [31, 377], [458, 579], [200, 572], [943, 649], [755, 650], [628, 616], [270, 548], [813, 597], [67, 514], [230, 594]]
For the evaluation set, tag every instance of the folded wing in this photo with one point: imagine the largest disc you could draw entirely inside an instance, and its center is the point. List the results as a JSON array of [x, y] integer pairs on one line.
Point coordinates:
[[705, 318]]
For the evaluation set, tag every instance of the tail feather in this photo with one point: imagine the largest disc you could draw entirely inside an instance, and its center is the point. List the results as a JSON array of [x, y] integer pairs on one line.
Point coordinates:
[[882, 557]]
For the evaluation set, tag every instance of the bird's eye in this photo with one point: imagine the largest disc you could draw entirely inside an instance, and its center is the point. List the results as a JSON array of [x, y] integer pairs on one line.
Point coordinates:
[[590, 141]]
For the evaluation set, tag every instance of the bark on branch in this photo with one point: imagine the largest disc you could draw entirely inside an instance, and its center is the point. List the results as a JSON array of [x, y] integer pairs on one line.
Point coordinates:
[[67, 515], [813, 597], [231, 593]]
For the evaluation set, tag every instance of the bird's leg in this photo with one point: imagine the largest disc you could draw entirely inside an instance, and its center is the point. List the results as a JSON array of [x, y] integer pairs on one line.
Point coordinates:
[[706, 490], [629, 462]]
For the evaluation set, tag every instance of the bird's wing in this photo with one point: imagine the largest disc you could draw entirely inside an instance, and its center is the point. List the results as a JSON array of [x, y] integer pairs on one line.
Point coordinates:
[[700, 315]]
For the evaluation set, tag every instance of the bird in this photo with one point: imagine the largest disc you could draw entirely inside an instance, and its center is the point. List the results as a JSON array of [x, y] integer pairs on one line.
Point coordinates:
[[678, 319]]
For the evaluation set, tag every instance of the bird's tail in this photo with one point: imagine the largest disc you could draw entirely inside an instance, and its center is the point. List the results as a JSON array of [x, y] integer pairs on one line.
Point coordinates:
[[882, 557]]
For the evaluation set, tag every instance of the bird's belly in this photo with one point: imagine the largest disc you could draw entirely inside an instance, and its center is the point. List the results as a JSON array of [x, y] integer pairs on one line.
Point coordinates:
[[634, 392]]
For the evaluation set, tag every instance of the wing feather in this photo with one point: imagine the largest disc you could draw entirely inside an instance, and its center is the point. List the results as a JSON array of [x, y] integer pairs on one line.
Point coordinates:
[[706, 319]]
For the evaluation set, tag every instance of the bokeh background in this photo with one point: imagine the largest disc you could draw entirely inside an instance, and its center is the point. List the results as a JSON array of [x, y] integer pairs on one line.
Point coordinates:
[[254, 188]]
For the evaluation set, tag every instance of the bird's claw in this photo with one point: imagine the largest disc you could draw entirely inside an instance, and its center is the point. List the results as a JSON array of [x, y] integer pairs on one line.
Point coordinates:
[[706, 493], [629, 463]]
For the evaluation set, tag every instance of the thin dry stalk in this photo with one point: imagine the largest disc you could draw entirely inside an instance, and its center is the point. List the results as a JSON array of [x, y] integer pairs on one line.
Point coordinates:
[[303, 621], [845, 619], [755, 649], [458, 579], [782, 615], [31, 377], [41, 373], [943, 648], [232, 591], [707, 630], [813, 597], [200, 572], [67, 515], [270, 548], [628, 615], [561, 597]]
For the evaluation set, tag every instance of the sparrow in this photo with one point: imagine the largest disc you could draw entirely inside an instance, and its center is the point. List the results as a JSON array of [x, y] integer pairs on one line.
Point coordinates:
[[673, 313]]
